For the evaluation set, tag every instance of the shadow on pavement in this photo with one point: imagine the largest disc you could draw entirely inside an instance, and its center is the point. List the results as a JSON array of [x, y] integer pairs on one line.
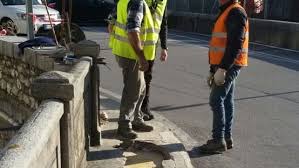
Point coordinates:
[[109, 134], [104, 154], [113, 120], [170, 108], [195, 153], [175, 147], [109, 104]]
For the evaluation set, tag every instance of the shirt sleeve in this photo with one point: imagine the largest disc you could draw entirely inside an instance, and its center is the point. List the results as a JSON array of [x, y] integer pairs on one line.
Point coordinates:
[[112, 16], [164, 31], [135, 15], [236, 23]]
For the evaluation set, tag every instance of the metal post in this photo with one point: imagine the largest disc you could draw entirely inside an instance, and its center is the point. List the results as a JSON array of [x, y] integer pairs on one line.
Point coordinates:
[[29, 11], [265, 9], [95, 138], [203, 6]]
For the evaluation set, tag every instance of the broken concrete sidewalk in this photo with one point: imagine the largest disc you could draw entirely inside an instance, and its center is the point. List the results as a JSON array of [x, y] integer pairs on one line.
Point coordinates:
[[149, 150]]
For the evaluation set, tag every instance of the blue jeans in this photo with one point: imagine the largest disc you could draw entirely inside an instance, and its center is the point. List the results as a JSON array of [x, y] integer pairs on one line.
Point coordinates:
[[222, 105]]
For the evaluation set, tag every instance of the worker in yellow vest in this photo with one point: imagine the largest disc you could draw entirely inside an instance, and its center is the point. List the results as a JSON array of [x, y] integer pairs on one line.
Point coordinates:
[[133, 38], [158, 17], [228, 53]]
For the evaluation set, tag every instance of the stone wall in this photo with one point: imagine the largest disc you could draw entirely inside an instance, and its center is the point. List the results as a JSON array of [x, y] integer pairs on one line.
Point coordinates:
[[16, 76], [15, 80], [17, 72]]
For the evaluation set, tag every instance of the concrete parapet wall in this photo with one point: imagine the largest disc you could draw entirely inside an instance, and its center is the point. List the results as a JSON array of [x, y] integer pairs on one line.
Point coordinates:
[[80, 109], [269, 32], [37, 143], [64, 140], [74, 89]]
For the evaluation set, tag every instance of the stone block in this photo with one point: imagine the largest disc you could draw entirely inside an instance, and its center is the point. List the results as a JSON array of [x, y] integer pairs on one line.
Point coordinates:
[[3, 84], [45, 63], [26, 99], [53, 84], [1, 48], [29, 57], [15, 91], [7, 49], [53, 51], [13, 39], [8, 88], [87, 48], [54, 77], [16, 50], [19, 84], [168, 164]]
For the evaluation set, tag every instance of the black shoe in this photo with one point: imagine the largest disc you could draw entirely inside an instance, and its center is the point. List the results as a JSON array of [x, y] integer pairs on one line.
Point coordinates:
[[148, 115], [127, 134], [229, 143], [213, 146], [142, 127]]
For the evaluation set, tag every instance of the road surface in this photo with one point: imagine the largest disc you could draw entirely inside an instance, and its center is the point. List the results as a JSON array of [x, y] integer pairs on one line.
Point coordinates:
[[266, 129]]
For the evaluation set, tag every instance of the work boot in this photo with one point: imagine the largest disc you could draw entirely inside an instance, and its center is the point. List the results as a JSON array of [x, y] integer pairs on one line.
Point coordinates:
[[146, 110], [147, 114], [229, 143], [213, 146], [142, 127], [127, 133]]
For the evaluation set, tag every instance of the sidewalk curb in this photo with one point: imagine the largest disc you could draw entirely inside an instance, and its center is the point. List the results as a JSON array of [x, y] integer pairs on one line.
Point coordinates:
[[170, 142]]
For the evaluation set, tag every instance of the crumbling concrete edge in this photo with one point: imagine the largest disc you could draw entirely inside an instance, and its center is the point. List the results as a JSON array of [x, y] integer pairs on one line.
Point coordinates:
[[180, 157]]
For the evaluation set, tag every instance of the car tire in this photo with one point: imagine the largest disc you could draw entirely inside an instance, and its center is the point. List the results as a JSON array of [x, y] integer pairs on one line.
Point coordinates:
[[77, 34], [10, 26]]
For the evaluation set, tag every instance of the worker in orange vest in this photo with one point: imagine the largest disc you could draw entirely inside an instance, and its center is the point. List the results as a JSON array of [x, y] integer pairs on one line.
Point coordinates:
[[228, 53]]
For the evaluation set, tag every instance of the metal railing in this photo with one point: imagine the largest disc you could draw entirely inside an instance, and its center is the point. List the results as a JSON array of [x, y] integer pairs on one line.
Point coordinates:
[[273, 9]]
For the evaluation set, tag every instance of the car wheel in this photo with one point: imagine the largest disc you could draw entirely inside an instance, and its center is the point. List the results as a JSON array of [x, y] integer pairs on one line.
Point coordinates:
[[10, 26], [77, 34]]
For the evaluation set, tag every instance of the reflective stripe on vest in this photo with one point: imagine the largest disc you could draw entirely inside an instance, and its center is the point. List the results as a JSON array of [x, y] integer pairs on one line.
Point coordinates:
[[221, 49], [125, 39], [149, 34], [224, 35], [143, 31], [219, 40]]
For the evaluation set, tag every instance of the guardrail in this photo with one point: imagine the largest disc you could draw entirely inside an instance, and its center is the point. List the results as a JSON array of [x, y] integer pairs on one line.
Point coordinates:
[[269, 32]]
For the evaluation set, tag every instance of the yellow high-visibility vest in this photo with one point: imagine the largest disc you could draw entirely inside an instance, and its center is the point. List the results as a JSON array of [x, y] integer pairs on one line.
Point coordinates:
[[149, 34]]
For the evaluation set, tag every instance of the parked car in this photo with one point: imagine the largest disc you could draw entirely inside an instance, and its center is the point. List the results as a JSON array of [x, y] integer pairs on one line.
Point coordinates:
[[88, 11], [13, 15]]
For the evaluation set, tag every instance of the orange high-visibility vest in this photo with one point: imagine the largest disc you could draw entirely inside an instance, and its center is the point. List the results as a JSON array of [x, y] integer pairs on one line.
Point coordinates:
[[219, 39]]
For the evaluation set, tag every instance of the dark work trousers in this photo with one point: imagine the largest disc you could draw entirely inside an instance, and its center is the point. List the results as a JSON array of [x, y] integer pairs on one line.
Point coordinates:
[[132, 95], [148, 78]]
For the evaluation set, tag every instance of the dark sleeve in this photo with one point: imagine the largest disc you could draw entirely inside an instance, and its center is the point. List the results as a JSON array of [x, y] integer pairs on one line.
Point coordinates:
[[164, 31], [236, 23], [135, 15], [112, 16]]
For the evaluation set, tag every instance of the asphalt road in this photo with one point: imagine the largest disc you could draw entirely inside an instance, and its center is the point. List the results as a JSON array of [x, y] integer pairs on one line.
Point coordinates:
[[266, 129]]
